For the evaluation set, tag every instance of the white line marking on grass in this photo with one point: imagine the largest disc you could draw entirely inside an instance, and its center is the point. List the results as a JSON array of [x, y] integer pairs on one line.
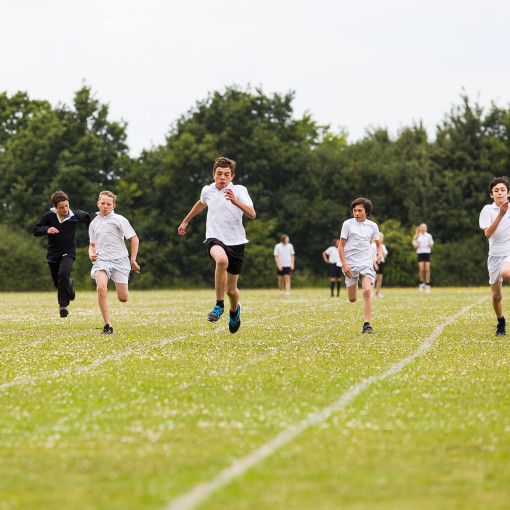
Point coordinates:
[[119, 355], [201, 492], [86, 368]]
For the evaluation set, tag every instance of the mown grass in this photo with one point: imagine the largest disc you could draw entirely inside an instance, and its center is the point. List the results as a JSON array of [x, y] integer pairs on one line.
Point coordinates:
[[135, 420]]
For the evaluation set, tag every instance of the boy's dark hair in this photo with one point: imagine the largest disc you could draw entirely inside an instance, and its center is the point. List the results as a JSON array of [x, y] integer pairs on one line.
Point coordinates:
[[224, 163], [333, 242], [283, 237], [499, 180], [367, 205], [57, 197]]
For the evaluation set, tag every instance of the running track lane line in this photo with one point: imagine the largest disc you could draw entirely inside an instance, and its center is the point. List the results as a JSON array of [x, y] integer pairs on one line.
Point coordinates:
[[201, 492], [112, 357]]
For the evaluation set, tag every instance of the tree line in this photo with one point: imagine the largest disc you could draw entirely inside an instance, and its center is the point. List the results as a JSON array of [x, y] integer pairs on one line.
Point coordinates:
[[302, 177]]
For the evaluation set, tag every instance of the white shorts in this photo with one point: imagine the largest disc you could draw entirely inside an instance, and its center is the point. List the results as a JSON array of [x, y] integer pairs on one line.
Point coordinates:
[[358, 271], [117, 269], [494, 265]]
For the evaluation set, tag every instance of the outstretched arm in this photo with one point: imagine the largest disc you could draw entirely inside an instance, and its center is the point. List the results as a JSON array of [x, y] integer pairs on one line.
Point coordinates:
[[196, 209]]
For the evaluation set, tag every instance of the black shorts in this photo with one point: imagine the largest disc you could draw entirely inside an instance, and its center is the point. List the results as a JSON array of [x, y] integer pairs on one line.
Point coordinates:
[[381, 268], [423, 257], [235, 254], [335, 271], [284, 271]]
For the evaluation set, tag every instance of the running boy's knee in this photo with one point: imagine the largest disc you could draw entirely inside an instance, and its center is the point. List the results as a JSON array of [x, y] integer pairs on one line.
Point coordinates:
[[123, 299], [352, 299], [367, 293], [222, 263]]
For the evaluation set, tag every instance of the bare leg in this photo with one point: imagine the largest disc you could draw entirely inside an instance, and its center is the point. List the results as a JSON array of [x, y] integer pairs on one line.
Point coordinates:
[[497, 297], [287, 283], [220, 275], [102, 295], [232, 291], [421, 271], [122, 292], [366, 284], [427, 272], [352, 293], [280, 283]]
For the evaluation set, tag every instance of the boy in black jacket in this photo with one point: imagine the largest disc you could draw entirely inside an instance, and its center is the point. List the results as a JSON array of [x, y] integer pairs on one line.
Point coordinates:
[[60, 223]]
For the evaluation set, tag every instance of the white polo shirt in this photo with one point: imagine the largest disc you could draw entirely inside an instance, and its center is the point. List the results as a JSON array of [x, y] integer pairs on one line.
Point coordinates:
[[333, 255], [224, 219], [499, 242], [359, 234], [421, 243], [108, 233], [284, 253]]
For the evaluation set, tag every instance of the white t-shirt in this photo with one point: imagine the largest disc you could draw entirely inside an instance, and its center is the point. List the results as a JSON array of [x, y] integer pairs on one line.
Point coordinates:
[[374, 252], [499, 242], [284, 253], [333, 255], [224, 219], [359, 234], [108, 233], [421, 243]]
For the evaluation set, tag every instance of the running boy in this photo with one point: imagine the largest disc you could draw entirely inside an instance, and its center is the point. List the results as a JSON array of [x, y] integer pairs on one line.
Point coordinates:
[[284, 257], [356, 255], [109, 254], [495, 221], [332, 258], [59, 224], [225, 236]]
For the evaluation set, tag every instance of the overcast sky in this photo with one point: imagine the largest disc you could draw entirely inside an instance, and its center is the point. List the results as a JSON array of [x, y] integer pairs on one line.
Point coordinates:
[[353, 64]]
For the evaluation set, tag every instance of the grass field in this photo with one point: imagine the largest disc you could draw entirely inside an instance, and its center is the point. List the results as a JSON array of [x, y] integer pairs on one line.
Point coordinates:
[[172, 406]]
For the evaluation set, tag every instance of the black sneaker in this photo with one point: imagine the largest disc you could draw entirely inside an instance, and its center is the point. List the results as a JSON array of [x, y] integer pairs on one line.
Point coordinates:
[[367, 328], [215, 313], [501, 329], [107, 330], [235, 320], [72, 294], [64, 312]]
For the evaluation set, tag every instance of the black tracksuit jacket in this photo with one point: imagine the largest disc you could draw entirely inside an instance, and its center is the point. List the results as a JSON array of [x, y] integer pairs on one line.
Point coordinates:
[[62, 243]]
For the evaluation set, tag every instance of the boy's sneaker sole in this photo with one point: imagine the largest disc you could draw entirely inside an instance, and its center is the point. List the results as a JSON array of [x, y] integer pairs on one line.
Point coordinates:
[[367, 329], [235, 324]]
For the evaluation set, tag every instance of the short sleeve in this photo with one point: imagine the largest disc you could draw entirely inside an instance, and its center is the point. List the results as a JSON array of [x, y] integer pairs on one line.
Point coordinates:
[[485, 218], [430, 239], [292, 249], [275, 253], [92, 234], [243, 196], [203, 195], [344, 234], [126, 228], [375, 233]]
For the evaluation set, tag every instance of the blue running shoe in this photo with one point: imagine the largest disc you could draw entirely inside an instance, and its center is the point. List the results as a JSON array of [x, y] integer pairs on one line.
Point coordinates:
[[215, 314], [235, 320]]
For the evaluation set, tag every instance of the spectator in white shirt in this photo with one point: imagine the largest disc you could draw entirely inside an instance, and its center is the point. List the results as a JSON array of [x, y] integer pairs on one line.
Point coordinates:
[[284, 258], [423, 243], [332, 258]]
